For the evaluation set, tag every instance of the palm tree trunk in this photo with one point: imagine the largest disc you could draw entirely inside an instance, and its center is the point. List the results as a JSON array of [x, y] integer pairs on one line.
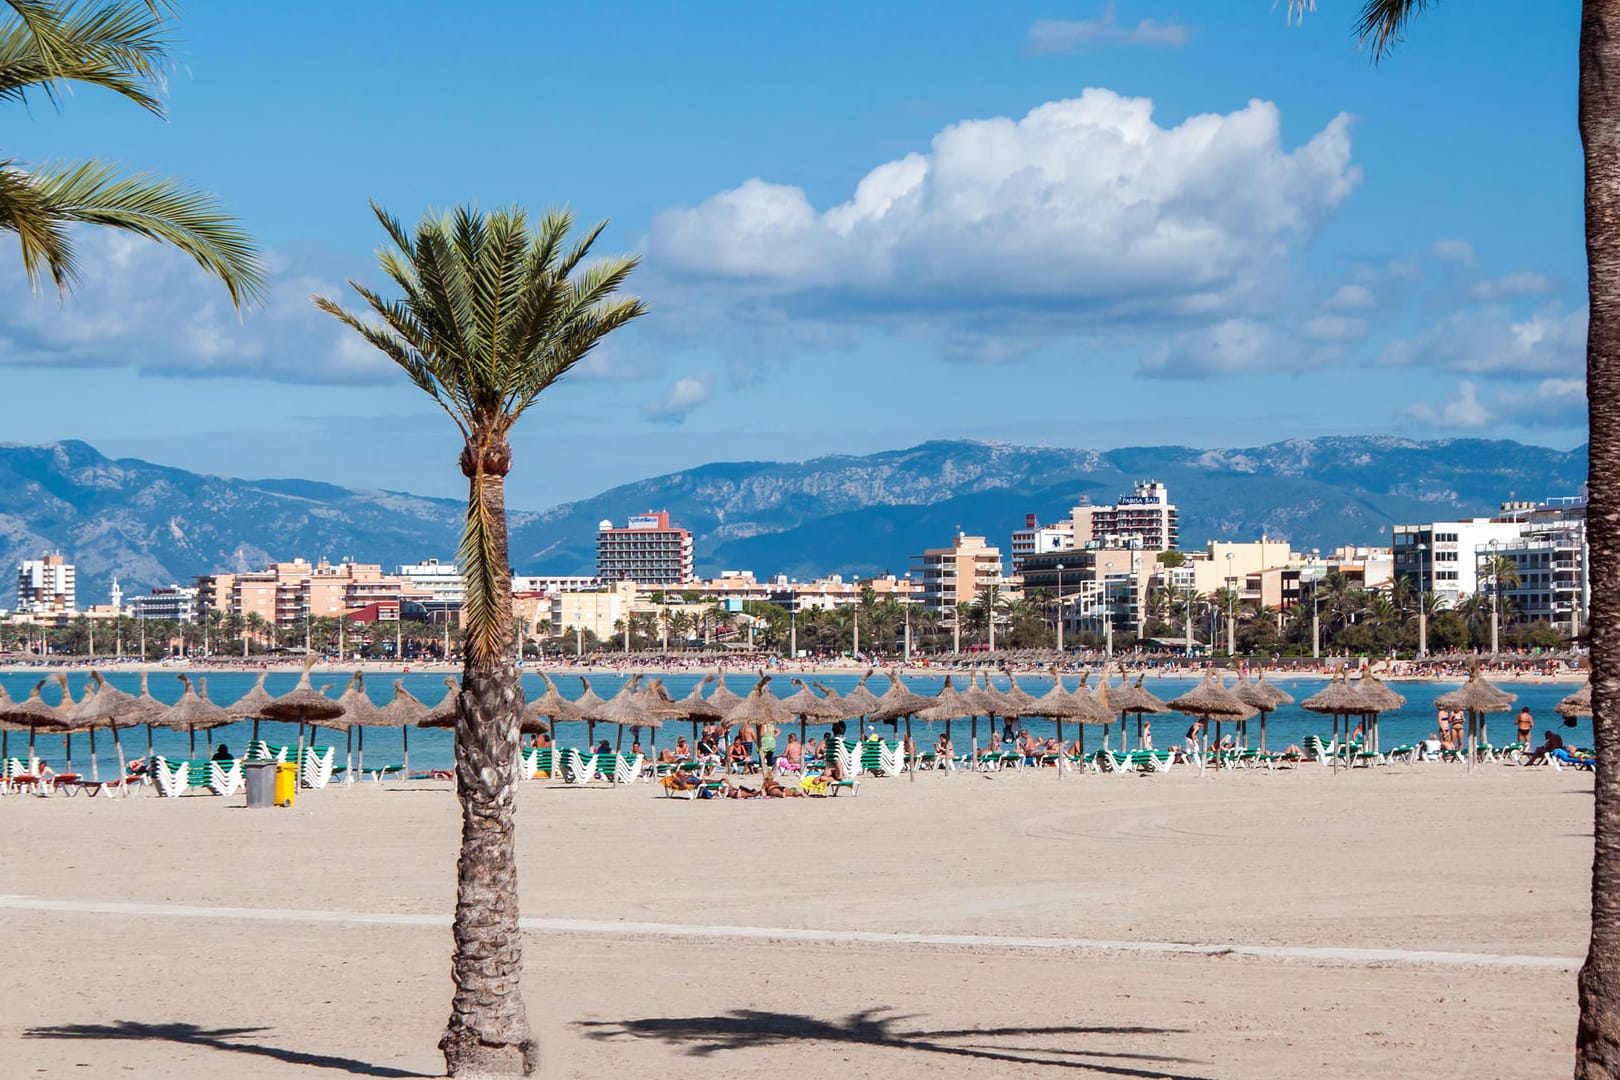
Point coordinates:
[[1597, 1039], [488, 1033]]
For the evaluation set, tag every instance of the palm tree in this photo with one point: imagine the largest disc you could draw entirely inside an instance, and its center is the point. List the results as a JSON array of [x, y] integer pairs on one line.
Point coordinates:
[[493, 313], [1382, 24], [47, 46]]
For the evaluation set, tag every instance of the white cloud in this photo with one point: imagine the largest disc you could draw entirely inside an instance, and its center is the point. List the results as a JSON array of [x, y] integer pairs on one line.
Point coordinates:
[[683, 396], [1235, 347], [1522, 283], [1492, 341], [1352, 296], [1083, 212], [1464, 410], [1553, 403], [142, 305], [1054, 36]]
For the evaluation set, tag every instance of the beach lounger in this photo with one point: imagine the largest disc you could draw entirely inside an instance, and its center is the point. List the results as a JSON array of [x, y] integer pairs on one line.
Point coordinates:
[[259, 750], [816, 784], [315, 770], [171, 777], [579, 768], [1319, 750]]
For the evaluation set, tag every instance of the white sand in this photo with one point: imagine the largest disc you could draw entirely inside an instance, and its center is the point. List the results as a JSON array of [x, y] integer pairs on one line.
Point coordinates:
[[1411, 859]]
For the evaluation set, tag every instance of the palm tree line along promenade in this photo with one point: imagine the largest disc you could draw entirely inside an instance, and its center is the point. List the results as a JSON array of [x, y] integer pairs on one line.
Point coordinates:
[[1095, 579]]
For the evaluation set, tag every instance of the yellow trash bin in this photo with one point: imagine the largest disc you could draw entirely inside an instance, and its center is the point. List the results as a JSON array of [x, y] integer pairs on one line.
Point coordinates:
[[286, 782]]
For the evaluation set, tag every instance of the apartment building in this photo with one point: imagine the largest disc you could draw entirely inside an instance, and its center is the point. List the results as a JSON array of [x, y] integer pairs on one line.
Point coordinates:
[[648, 551], [956, 574], [46, 586]]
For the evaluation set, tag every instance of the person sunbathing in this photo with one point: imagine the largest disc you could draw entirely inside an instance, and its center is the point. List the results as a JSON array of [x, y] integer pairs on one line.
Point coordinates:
[[1551, 741], [775, 789], [737, 757], [794, 753], [680, 781], [1430, 747], [738, 791], [683, 752]]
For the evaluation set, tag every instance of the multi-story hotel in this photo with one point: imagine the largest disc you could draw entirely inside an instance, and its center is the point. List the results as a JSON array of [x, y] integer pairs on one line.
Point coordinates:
[[648, 551], [46, 586], [955, 575], [1144, 520]]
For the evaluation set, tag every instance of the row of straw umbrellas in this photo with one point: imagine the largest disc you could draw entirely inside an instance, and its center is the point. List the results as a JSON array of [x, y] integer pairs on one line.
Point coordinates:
[[637, 706]]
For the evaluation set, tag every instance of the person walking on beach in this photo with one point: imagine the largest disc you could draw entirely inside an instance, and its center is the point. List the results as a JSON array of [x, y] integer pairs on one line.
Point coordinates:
[[1189, 745]]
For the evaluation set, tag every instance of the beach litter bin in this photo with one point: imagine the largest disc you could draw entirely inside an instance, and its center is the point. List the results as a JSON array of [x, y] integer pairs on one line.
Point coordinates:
[[261, 782], [286, 782]]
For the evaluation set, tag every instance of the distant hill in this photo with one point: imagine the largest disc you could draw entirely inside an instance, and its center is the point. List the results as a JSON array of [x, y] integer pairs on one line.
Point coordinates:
[[154, 525]]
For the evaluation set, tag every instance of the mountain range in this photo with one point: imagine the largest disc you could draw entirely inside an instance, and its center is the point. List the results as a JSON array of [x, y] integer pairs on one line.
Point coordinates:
[[156, 525]]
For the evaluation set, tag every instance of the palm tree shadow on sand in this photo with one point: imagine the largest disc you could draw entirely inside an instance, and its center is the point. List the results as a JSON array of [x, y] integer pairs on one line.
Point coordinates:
[[224, 1039], [739, 1029]]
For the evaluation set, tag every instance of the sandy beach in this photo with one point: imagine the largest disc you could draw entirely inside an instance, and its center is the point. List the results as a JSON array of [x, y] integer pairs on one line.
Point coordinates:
[[1410, 921]]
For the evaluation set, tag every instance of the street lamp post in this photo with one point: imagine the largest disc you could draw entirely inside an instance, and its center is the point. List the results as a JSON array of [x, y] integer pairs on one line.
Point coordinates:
[[1231, 587], [905, 607], [1108, 609], [793, 623], [1423, 606], [1316, 622], [1060, 607], [1496, 597]]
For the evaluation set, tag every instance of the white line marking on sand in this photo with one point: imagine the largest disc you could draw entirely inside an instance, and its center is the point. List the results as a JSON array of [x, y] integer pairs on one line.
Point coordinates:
[[1347, 956]]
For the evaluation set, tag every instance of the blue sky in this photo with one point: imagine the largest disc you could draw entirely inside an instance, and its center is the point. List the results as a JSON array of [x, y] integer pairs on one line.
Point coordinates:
[[864, 226]]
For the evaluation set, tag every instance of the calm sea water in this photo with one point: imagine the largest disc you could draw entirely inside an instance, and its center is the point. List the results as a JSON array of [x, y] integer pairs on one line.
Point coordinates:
[[433, 748]]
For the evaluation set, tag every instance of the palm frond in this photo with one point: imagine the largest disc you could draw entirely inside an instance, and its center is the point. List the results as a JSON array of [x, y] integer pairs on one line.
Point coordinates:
[[1383, 23], [119, 45], [25, 211], [159, 209]]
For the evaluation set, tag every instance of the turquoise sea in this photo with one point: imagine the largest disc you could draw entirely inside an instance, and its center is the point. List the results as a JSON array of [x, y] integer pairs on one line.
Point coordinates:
[[433, 748]]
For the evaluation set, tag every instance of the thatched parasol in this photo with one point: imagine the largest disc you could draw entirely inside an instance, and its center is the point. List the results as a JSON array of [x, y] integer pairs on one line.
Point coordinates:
[[1576, 705], [1476, 697], [1058, 705], [1127, 699], [982, 701], [722, 698], [66, 708], [302, 705], [1209, 700], [898, 701], [250, 706], [193, 712], [404, 711], [1015, 698], [358, 712], [109, 707], [760, 707], [810, 707], [443, 715], [860, 701], [32, 713], [1338, 699], [1262, 696]]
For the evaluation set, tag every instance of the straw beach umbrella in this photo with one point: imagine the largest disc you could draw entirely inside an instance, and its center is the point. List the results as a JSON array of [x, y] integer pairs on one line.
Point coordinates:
[[1127, 700], [66, 708], [1476, 697], [589, 703], [981, 701], [443, 715], [808, 707], [358, 712], [1576, 705], [1057, 705], [32, 712], [949, 704], [1209, 700], [1262, 691], [108, 707], [1382, 700], [404, 711], [193, 711], [723, 698], [860, 701], [302, 705], [250, 706], [1338, 699], [758, 708]]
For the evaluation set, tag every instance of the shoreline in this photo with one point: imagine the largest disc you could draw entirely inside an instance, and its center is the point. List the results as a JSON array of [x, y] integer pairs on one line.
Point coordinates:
[[1452, 671]]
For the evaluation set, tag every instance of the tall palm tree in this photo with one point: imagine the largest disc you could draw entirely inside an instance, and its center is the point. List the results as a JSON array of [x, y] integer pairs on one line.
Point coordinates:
[[46, 47], [493, 312], [1383, 23]]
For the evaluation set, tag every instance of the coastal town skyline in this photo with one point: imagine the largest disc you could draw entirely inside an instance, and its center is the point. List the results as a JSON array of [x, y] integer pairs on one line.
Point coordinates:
[[1365, 284]]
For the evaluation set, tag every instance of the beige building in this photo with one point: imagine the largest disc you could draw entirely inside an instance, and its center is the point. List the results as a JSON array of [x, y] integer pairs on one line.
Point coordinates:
[[598, 612], [956, 575], [286, 593]]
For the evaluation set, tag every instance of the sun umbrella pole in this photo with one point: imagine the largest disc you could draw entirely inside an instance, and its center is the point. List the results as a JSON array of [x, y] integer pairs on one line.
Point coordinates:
[[67, 751], [405, 748], [95, 767], [118, 748], [911, 764]]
